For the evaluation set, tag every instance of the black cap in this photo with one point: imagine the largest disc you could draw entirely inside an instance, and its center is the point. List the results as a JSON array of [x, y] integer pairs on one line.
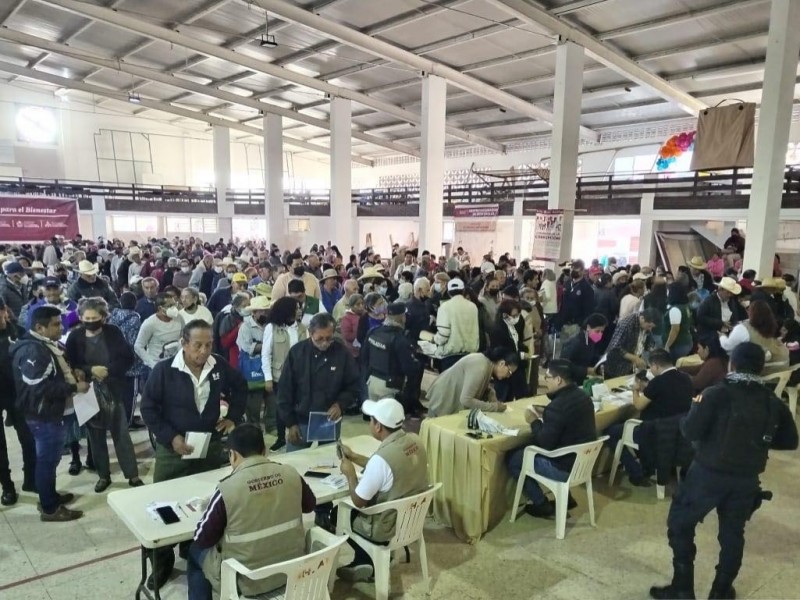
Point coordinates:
[[51, 282], [397, 308]]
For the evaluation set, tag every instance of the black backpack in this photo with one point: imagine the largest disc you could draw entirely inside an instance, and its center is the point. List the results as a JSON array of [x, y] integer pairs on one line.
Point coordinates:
[[752, 423]]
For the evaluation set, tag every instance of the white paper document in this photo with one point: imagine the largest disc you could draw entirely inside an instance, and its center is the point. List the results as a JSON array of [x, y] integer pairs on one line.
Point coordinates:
[[85, 405], [199, 441]]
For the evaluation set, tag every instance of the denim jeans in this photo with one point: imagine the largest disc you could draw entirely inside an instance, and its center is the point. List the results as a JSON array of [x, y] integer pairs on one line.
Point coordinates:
[[629, 462], [49, 437], [199, 586], [542, 466]]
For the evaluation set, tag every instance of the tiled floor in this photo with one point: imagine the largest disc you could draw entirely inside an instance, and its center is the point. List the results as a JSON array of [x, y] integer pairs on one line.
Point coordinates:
[[620, 559]]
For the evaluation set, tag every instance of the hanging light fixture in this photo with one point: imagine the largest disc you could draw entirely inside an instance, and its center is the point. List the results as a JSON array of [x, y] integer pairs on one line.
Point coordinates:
[[267, 40]]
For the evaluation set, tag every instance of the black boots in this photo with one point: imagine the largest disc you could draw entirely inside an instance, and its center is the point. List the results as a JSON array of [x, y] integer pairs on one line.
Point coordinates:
[[722, 588], [682, 586], [9, 494]]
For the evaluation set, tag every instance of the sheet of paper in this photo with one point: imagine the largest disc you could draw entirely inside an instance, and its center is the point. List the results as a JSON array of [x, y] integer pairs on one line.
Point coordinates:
[[600, 390], [85, 406], [199, 441]]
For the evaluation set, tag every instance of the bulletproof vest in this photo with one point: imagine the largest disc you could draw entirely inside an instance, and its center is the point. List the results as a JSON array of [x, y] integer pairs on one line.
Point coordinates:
[[381, 350], [752, 423], [263, 503], [408, 461]]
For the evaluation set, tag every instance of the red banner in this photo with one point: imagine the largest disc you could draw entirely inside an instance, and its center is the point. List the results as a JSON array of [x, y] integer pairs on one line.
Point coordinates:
[[35, 219], [476, 211]]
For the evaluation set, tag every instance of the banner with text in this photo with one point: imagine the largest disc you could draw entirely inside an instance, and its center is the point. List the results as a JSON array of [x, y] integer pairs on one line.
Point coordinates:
[[37, 218], [547, 235], [476, 217]]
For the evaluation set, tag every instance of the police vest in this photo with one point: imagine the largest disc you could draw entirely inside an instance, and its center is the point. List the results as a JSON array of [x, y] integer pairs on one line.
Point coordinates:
[[263, 503], [406, 457], [382, 362]]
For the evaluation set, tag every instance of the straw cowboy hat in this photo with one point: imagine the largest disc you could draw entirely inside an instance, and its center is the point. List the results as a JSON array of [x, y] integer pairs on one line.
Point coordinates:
[[729, 285], [773, 283], [330, 274], [263, 289], [87, 268], [698, 263], [260, 303], [371, 273]]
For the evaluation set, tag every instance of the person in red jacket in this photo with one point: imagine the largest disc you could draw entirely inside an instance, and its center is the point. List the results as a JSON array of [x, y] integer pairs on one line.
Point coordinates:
[[229, 323]]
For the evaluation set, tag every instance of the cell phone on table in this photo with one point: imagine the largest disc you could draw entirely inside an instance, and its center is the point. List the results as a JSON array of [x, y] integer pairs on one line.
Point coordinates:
[[316, 474], [168, 515]]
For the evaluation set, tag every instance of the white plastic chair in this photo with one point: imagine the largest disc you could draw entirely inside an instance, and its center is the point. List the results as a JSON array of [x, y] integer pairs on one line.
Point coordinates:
[[307, 577], [585, 457], [411, 513], [782, 379]]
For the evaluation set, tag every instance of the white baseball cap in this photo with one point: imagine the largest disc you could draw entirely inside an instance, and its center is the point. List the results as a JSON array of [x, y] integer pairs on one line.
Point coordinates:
[[387, 411], [455, 284]]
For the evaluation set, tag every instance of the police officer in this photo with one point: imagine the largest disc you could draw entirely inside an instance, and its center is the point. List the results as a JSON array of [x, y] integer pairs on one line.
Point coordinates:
[[732, 426], [390, 367]]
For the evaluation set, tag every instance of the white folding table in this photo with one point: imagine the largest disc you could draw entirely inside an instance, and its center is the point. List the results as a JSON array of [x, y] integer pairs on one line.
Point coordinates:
[[131, 505]]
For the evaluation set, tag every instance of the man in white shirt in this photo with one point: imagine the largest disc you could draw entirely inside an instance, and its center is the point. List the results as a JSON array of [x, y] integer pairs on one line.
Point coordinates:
[[160, 334]]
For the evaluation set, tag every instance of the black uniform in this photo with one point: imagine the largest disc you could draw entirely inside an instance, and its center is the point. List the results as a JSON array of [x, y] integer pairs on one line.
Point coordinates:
[[387, 358], [731, 428]]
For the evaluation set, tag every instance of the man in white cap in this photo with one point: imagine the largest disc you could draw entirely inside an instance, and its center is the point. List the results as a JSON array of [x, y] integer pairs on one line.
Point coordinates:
[[89, 285], [719, 312], [398, 469], [457, 330]]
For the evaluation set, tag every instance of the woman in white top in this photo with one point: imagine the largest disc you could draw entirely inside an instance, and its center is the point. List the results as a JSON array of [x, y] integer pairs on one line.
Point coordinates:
[[548, 295], [193, 309], [632, 300], [760, 328], [282, 331]]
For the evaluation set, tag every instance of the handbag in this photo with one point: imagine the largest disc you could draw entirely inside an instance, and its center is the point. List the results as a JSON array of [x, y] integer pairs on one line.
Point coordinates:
[[250, 367], [105, 401]]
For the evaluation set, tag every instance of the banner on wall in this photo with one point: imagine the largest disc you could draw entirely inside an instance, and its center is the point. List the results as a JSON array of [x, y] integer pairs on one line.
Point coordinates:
[[476, 211], [547, 235], [37, 218], [476, 226]]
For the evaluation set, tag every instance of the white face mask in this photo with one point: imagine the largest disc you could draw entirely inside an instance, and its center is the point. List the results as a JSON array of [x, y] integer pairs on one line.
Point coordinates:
[[512, 320], [186, 269], [437, 287], [172, 312], [24, 280], [218, 269]]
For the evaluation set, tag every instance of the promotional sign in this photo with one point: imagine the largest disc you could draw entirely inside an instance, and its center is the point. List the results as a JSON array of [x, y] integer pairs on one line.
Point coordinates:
[[547, 235], [476, 226], [37, 218], [476, 211]]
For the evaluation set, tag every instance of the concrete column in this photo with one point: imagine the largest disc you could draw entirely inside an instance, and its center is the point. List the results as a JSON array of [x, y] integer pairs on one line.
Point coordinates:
[[222, 179], [273, 180], [774, 122], [431, 176], [566, 138], [99, 217], [342, 227], [646, 238], [518, 252]]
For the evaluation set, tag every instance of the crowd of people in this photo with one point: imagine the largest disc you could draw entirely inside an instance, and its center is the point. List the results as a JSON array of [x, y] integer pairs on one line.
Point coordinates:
[[202, 337]]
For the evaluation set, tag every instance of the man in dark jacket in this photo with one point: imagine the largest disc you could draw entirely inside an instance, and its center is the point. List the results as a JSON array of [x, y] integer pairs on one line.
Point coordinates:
[[9, 334], [320, 375], [567, 420], [45, 386], [732, 426], [183, 394], [89, 285], [606, 301], [577, 303], [719, 312], [14, 289]]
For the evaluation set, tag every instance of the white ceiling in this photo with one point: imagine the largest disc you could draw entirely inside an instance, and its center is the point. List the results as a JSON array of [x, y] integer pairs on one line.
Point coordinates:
[[711, 49]]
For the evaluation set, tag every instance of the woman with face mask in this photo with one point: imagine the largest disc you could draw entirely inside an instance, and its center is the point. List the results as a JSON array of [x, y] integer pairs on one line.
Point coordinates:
[[99, 353], [249, 340], [509, 332], [583, 350], [349, 323], [375, 308]]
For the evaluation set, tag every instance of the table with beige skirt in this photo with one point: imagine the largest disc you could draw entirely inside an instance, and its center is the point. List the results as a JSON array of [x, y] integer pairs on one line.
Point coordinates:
[[476, 491]]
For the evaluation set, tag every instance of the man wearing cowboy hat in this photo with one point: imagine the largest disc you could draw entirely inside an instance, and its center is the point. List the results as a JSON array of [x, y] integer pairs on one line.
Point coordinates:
[[719, 312], [771, 290], [331, 290], [371, 280], [297, 271], [701, 276], [89, 285]]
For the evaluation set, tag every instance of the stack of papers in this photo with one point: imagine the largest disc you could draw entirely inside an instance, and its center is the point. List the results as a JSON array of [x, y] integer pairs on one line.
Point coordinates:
[[338, 482], [199, 441]]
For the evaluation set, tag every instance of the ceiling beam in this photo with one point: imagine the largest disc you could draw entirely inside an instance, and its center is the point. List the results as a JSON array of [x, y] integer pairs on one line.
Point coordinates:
[[124, 21], [677, 19], [612, 58], [188, 85], [160, 106], [12, 10], [394, 54], [575, 6]]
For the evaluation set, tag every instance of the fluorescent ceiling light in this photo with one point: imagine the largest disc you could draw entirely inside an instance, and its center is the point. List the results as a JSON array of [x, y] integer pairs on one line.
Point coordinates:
[[731, 72], [606, 92]]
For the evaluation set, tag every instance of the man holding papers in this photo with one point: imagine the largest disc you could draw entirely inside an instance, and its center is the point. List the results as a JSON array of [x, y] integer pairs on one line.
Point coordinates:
[[182, 397]]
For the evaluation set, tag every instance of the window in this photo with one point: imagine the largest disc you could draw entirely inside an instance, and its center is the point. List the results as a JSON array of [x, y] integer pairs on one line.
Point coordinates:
[[299, 225], [201, 225], [123, 156], [135, 224], [36, 125], [448, 232]]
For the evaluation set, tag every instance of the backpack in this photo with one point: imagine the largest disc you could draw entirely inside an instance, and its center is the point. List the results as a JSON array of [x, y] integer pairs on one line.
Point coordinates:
[[752, 423]]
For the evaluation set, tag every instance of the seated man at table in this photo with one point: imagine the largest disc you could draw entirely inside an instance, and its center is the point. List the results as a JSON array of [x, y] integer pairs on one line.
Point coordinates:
[[668, 394], [183, 395], [567, 420], [398, 469], [254, 516]]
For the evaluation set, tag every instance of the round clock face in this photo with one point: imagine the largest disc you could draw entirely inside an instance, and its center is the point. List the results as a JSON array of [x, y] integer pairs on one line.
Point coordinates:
[[36, 125]]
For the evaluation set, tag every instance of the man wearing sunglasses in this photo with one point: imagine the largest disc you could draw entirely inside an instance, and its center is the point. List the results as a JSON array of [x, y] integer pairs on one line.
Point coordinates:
[[567, 420]]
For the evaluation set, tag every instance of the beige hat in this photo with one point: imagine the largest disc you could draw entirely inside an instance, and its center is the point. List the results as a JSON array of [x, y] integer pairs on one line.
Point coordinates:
[[641, 275], [371, 273], [729, 284], [37, 264], [227, 261], [260, 303], [619, 275], [329, 274], [263, 289], [87, 268], [698, 263], [773, 283], [135, 251]]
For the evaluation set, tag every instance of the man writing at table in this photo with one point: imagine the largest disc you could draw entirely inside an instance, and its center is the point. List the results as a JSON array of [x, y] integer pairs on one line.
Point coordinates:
[[567, 420], [183, 395], [254, 516], [398, 469]]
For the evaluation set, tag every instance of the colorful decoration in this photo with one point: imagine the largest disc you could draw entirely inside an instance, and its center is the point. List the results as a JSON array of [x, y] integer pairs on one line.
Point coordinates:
[[673, 148]]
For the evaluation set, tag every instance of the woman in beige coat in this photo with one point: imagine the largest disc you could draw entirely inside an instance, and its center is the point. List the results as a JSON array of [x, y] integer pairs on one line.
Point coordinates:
[[466, 383]]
